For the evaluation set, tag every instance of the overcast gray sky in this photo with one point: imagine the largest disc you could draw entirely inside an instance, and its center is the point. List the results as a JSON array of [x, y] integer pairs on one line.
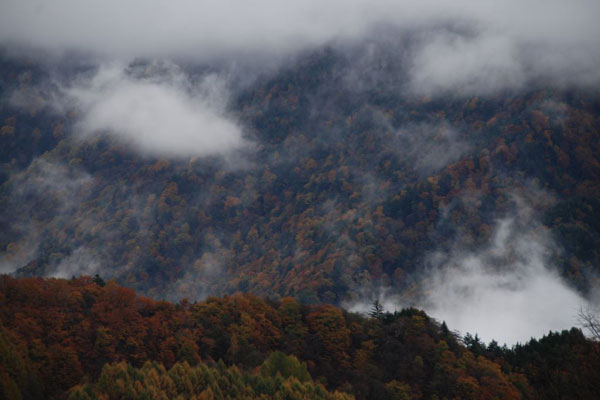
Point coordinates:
[[215, 26]]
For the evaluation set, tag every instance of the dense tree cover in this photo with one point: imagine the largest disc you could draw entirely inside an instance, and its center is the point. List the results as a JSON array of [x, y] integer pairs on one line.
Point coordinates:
[[17, 375], [561, 365], [153, 381], [347, 186], [77, 338]]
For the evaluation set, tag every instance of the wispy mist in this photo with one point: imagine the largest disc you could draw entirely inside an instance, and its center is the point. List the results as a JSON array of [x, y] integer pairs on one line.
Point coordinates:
[[451, 63], [431, 147], [203, 275], [81, 261], [44, 187]]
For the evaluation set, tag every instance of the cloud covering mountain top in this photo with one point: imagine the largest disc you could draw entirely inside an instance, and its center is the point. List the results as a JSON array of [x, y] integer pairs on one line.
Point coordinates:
[[471, 46]]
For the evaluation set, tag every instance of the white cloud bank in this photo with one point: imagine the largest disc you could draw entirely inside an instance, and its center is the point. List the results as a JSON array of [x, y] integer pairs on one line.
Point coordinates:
[[160, 114], [506, 292], [509, 290]]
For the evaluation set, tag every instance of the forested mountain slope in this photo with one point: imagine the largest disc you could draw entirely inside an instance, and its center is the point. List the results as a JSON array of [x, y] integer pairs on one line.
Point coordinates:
[[346, 183]]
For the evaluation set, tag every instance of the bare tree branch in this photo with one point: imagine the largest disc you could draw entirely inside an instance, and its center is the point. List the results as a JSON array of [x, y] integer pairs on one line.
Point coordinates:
[[589, 318]]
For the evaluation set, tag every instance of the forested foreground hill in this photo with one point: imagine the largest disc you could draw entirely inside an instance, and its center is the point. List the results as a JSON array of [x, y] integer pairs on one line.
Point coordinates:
[[85, 339], [346, 183]]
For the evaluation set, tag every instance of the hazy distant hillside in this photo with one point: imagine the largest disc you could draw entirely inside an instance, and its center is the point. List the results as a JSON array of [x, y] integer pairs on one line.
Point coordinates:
[[340, 185]]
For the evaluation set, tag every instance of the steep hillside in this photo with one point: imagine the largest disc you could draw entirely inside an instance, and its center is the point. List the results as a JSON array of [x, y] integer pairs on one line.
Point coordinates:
[[346, 184]]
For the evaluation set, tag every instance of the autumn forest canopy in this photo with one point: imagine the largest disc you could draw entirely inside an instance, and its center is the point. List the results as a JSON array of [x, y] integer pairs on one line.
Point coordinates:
[[88, 339], [303, 200]]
